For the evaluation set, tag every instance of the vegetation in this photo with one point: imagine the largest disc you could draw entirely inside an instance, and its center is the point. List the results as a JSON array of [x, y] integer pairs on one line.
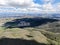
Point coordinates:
[[40, 34]]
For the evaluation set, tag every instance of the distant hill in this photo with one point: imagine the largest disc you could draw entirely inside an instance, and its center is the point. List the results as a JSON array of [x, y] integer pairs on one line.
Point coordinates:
[[28, 22], [16, 15]]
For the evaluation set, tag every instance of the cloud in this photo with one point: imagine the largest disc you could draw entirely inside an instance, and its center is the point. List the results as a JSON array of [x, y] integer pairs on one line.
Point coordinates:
[[48, 8], [23, 5], [30, 6], [48, 1], [2, 2], [20, 3], [57, 7], [17, 3]]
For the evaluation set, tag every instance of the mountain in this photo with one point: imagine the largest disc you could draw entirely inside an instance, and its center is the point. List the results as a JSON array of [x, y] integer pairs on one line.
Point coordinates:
[[10, 14]]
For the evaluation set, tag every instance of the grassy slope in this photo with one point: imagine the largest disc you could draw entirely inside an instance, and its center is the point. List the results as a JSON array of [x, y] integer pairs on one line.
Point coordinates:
[[37, 34], [40, 36]]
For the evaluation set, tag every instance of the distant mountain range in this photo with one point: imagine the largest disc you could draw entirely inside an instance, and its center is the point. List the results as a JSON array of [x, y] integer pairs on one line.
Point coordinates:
[[7, 15]]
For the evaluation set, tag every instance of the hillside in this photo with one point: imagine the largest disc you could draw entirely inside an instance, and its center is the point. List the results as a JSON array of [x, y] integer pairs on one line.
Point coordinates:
[[41, 31]]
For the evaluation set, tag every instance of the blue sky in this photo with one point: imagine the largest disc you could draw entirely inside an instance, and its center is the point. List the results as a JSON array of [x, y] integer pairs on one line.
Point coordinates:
[[30, 6], [41, 2]]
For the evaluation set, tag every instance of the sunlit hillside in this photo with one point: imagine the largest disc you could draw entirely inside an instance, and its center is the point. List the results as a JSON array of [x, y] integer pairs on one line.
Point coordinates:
[[47, 32]]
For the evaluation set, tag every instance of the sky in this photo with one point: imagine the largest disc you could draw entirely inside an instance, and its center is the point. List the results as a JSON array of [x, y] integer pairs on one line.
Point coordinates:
[[30, 6]]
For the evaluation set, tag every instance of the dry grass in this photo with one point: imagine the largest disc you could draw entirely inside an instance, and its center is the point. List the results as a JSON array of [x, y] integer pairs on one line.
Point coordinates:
[[37, 34], [23, 34]]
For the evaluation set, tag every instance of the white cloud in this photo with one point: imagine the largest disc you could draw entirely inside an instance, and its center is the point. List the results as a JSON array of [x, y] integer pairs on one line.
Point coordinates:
[[19, 3], [30, 6], [2, 2], [48, 1], [24, 5], [57, 7], [48, 8]]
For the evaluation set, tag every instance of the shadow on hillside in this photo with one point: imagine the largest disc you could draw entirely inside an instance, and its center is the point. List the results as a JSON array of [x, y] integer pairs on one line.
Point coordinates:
[[28, 22], [8, 41]]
